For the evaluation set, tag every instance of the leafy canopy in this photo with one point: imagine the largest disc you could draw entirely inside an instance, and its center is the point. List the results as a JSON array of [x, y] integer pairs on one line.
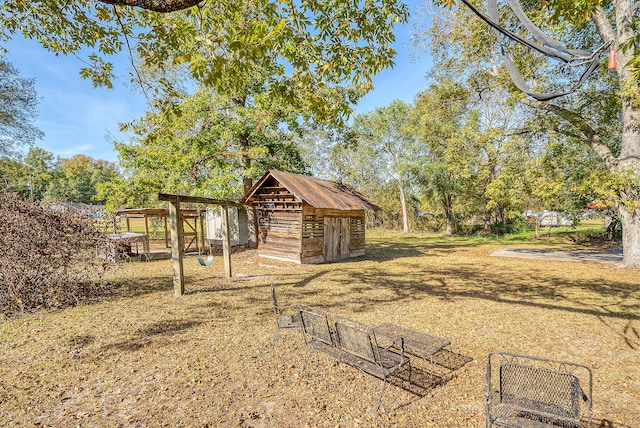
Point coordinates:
[[304, 45]]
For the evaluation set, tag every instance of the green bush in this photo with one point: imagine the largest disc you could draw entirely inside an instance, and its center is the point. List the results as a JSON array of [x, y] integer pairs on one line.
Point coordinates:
[[514, 224]]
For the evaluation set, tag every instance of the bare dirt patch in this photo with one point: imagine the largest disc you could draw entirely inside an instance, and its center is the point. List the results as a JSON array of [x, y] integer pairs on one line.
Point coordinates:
[[207, 359]]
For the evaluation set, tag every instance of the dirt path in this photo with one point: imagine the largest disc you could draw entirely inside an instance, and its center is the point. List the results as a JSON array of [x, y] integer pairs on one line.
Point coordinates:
[[559, 255]]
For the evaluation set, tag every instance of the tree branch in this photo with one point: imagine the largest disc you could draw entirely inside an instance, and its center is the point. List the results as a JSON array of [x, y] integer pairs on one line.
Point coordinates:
[[133, 63], [162, 6], [588, 135], [603, 25]]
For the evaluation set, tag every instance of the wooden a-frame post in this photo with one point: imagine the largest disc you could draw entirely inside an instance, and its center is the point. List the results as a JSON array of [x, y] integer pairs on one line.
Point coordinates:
[[177, 234], [177, 246]]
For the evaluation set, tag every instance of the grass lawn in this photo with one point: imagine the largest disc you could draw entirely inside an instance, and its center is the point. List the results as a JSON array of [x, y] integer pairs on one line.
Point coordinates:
[[146, 358]]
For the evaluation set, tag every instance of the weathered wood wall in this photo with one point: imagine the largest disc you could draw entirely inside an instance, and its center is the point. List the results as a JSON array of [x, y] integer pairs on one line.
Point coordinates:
[[279, 234], [312, 239], [330, 235], [279, 222], [293, 230], [357, 244]]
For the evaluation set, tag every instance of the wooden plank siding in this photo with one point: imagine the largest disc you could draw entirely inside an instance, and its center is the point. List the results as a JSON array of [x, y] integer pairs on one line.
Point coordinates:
[[357, 244], [279, 222], [337, 234], [312, 239]]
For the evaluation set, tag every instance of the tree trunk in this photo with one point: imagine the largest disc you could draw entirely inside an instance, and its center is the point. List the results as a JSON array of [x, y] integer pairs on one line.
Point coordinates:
[[403, 205], [244, 144], [630, 220], [252, 215], [628, 161], [252, 218], [247, 183], [487, 219], [449, 215]]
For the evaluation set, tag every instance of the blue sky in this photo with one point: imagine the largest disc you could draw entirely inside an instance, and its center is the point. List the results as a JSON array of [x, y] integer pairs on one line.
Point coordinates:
[[78, 118]]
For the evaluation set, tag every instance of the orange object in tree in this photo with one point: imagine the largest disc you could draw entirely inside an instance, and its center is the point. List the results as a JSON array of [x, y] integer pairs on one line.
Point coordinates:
[[612, 60]]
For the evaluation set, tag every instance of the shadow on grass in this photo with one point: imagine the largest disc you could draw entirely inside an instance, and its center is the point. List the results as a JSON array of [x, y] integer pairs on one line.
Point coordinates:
[[422, 377], [379, 252], [606, 423], [450, 360], [419, 277], [81, 340], [308, 279], [417, 380], [147, 336], [167, 327], [475, 282], [383, 251], [631, 336]]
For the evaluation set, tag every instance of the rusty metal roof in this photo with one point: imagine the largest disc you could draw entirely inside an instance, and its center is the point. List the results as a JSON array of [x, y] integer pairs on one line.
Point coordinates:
[[318, 193]]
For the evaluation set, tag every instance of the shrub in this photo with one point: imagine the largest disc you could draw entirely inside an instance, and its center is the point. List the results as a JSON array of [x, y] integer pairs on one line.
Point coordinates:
[[513, 224], [47, 257]]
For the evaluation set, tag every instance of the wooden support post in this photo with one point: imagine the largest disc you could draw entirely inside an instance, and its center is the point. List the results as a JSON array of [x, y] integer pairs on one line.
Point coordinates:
[[166, 234], [202, 233], [128, 225], [146, 225], [197, 237], [226, 241], [177, 232]]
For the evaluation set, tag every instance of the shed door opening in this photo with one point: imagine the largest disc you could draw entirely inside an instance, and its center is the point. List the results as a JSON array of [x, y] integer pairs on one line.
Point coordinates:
[[337, 234]]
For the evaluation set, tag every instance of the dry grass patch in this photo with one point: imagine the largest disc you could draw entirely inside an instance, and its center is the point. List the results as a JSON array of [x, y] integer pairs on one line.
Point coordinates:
[[207, 359]]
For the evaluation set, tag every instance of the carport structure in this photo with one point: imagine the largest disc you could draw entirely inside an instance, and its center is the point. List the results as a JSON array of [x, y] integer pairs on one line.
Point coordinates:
[[193, 219]]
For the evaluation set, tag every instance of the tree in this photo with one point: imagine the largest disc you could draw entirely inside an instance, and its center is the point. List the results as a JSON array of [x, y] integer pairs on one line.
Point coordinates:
[[13, 176], [18, 102], [78, 178], [504, 154], [41, 168], [442, 114], [298, 52], [202, 145], [607, 102], [355, 163], [560, 178], [386, 135], [209, 144]]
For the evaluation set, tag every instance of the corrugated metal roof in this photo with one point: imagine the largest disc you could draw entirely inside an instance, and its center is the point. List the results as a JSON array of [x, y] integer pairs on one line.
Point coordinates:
[[318, 193]]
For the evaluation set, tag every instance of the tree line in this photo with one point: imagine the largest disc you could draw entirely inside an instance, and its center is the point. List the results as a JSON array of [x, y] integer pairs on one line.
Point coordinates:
[[41, 176], [452, 161], [456, 163], [234, 88]]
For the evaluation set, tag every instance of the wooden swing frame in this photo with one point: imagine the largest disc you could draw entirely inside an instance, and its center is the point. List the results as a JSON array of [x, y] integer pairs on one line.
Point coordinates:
[[177, 234]]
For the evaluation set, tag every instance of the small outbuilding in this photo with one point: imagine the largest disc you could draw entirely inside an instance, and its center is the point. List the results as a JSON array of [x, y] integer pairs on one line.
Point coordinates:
[[308, 220]]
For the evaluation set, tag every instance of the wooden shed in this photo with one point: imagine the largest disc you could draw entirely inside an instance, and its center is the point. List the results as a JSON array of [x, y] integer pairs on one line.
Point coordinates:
[[307, 220]]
